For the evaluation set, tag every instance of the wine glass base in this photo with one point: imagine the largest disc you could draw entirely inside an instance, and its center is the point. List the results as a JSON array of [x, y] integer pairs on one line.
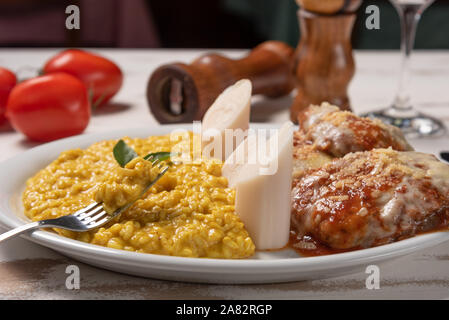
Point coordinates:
[[412, 123]]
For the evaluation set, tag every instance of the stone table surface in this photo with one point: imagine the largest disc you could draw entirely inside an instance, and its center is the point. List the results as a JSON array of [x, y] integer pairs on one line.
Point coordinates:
[[30, 271]]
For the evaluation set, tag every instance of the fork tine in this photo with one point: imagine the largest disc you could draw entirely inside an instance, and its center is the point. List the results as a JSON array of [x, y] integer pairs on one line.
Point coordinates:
[[91, 212], [98, 216], [161, 173], [99, 223], [91, 219], [164, 170], [85, 209], [100, 219]]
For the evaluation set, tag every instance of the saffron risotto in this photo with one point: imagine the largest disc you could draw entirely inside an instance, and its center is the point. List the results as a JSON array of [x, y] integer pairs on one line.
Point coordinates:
[[189, 212]]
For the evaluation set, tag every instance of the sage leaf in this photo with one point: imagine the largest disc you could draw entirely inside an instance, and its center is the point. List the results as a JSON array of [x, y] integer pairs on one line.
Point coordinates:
[[161, 156], [123, 153]]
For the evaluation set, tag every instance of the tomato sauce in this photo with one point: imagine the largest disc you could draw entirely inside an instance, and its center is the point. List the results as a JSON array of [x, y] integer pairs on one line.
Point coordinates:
[[307, 246]]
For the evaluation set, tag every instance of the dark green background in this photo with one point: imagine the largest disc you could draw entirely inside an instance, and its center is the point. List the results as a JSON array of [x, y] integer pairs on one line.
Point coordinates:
[[276, 19]]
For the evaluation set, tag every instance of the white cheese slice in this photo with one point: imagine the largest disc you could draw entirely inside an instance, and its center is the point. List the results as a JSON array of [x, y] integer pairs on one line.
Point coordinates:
[[231, 110], [244, 158], [263, 201]]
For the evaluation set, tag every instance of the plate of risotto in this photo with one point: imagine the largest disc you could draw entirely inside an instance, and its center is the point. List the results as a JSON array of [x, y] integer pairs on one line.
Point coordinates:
[[186, 227]]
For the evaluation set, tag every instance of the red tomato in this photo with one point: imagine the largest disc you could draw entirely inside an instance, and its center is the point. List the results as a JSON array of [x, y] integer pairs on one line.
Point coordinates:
[[49, 107], [99, 74], [7, 82]]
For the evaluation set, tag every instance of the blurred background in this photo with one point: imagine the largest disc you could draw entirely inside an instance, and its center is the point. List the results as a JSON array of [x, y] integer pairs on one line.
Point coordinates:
[[194, 24]]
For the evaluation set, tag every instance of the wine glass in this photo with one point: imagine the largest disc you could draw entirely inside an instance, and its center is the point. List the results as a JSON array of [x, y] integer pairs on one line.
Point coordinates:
[[401, 113]]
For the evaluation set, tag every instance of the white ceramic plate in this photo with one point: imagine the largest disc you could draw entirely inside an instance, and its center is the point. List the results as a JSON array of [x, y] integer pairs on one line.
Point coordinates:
[[265, 267]]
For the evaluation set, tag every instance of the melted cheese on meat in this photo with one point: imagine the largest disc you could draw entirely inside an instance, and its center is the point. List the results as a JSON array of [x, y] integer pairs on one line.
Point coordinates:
[[340, 132], [372, 197]]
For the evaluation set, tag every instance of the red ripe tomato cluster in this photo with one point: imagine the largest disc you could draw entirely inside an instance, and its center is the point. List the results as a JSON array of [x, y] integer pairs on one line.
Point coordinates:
[[58, 103]]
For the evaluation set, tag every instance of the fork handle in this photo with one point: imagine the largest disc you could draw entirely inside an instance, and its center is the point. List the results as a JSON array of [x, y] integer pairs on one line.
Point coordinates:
[[19, 230]]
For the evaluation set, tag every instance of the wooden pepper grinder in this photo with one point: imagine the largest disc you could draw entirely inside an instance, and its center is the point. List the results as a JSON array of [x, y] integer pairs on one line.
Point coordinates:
[[178, 92], [323, 61]]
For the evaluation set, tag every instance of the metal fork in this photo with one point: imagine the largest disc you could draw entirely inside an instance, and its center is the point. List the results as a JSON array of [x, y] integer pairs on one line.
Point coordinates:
[[88, 218]]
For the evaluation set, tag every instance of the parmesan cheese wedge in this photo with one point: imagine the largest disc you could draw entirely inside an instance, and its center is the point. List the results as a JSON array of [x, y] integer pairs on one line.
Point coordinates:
[[230, 110], [263, 201]]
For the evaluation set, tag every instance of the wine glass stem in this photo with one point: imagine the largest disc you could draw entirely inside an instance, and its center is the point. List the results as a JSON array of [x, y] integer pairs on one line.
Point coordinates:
[[409, 17]]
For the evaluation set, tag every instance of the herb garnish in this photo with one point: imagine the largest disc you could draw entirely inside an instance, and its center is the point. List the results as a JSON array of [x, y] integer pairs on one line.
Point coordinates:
[[161, 156], [124, 154]]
